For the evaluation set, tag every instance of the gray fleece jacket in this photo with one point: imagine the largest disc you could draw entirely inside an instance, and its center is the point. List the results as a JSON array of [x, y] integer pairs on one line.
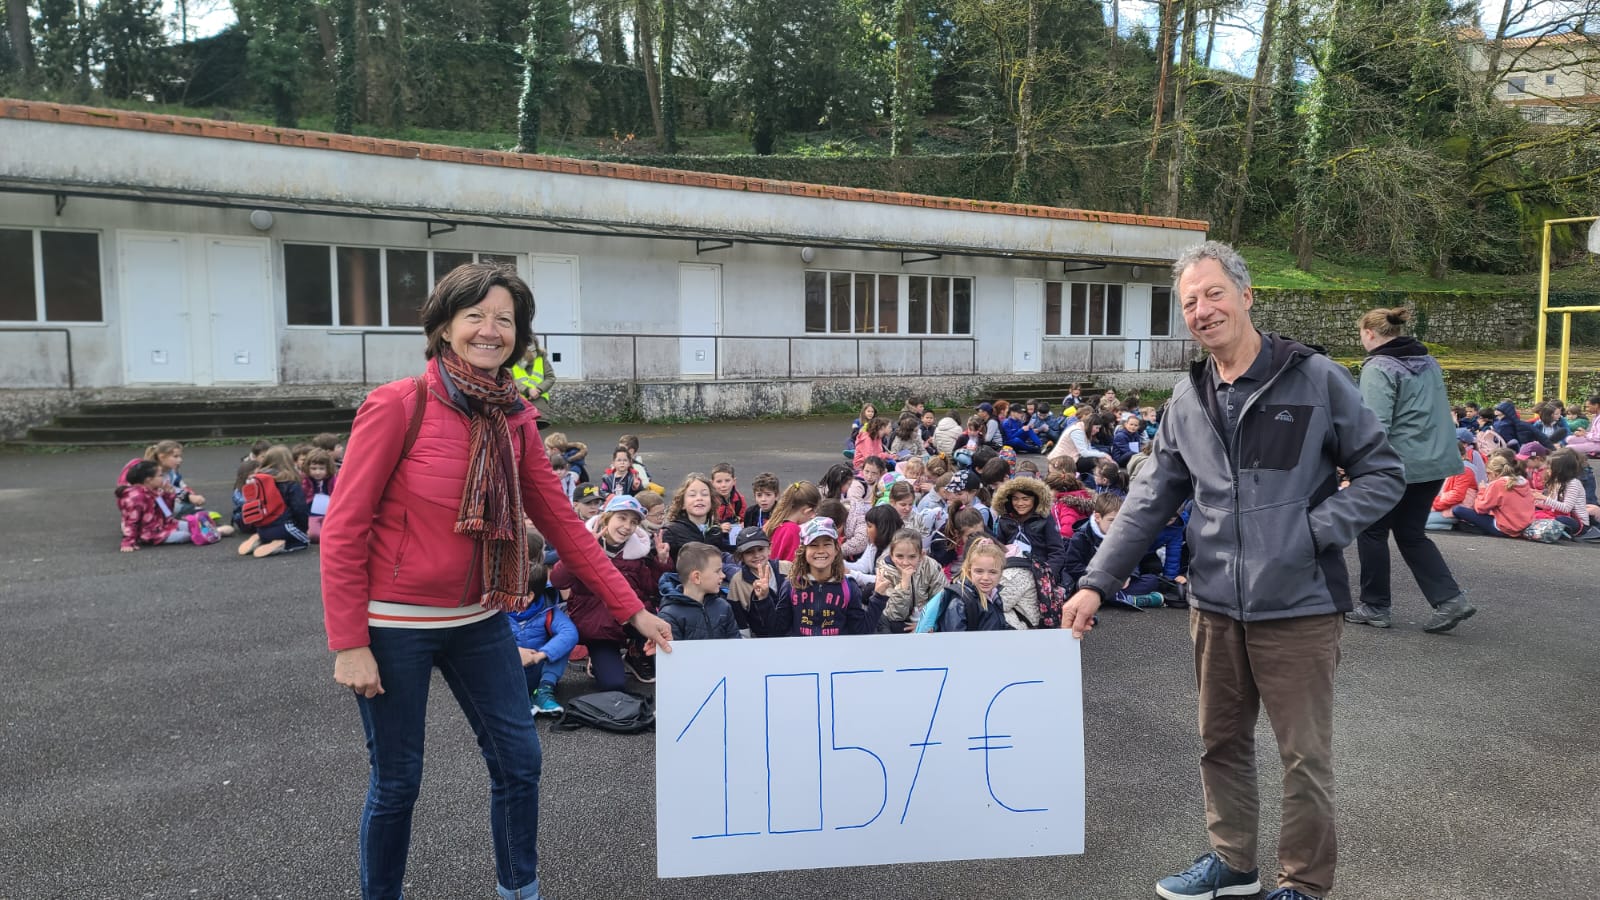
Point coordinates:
[[1404, 387], [1268, 525]]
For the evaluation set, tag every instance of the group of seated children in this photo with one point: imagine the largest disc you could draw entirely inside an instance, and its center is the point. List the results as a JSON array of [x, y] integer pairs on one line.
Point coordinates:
[[909, 537], [1527, 478], [279, 498]]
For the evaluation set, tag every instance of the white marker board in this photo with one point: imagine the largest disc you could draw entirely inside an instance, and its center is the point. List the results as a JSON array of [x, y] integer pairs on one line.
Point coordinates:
[[821, 752]]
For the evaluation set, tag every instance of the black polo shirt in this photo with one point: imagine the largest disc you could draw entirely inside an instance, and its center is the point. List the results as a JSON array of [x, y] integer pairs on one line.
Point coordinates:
[[1228, 399]]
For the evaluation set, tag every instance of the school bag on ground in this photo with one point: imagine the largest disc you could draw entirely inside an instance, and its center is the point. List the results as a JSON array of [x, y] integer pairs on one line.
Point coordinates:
[[1545, 531], [263, 502], [1488, 441], [621, 712]]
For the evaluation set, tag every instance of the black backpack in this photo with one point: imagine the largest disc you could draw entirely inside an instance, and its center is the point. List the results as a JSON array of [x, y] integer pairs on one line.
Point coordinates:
[[617, 711]]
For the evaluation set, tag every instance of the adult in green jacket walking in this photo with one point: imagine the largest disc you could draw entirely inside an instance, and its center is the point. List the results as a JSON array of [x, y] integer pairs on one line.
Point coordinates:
[[1402, 385]]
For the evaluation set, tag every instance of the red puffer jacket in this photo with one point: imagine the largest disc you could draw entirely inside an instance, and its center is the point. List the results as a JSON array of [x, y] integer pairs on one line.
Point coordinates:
[[390, 531]]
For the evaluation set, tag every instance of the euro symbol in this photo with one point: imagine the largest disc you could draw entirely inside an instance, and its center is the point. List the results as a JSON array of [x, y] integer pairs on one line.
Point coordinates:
[[988, 747]]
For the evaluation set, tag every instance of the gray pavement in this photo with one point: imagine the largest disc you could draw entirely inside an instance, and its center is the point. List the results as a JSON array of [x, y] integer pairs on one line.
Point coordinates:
[[171, 729]]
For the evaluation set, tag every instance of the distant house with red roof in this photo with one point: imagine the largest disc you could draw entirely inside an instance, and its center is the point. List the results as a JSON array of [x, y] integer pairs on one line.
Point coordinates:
[[1551, 79]]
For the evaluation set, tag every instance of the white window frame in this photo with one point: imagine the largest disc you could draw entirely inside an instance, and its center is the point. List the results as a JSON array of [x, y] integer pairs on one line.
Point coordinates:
[[37, 235], [1517, 85], [383, 280], [1066, 309], [902, 300]]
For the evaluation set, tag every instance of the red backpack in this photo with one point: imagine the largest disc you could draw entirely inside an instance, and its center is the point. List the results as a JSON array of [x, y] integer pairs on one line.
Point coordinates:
[[263, 502]]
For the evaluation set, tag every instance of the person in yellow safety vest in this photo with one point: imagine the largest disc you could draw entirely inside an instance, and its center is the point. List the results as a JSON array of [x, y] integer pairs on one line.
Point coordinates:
[[534, 374]]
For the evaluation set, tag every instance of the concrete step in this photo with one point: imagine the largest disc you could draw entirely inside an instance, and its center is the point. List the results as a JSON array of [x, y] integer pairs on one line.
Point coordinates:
[[186, 404], [184, 416], [149, 432], [144, 422]]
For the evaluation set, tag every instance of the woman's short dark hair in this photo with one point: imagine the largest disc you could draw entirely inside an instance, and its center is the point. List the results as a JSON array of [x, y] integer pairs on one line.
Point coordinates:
[[465, 286]]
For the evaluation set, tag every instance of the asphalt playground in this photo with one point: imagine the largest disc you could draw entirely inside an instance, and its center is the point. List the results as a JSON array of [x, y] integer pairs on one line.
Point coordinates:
[[171, 728]]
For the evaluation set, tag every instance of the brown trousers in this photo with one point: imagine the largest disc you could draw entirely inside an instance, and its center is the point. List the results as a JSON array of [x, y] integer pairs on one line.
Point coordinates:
[[1287, 666]]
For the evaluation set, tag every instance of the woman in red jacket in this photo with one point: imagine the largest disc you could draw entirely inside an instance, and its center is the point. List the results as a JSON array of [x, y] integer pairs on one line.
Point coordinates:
[[423, 549]]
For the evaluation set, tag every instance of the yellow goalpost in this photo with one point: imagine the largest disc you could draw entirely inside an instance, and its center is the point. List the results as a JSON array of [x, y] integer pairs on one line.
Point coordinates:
[[1566, 314]]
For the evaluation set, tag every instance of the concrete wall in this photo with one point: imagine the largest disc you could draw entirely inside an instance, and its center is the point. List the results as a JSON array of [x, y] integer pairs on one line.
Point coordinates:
[[1328, 318], [628, 286]]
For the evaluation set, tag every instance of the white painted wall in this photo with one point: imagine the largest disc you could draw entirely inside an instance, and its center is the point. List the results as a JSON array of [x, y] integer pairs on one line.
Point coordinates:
[[625, 286]]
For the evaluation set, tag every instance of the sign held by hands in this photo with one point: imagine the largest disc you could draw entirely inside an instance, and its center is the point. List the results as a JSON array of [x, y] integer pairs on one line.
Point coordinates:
[[804, 753]]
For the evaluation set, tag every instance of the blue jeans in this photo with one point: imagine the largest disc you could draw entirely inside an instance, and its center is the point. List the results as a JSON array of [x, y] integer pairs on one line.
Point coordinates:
[[1478, 521], [481, 665]]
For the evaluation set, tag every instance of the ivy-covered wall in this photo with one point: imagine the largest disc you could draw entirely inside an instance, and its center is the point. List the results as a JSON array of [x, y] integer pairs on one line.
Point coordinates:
[[1465, 321]]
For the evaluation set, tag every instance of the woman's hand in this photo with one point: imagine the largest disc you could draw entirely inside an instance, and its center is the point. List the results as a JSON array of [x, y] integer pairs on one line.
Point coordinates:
[[357, 670], [657, 633]]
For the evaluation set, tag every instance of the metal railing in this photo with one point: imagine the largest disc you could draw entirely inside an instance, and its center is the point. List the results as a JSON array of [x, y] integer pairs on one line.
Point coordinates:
[[719, 353], [1088, 355], [72, 381]]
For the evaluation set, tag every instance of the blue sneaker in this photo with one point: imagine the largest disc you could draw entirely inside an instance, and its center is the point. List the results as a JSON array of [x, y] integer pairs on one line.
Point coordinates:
[[1208, 878], [544, 702], [1290, 894]]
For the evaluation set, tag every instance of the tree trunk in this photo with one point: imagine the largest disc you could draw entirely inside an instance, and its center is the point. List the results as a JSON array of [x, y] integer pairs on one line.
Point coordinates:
[[1496, 43], [1164, 53], [1116, 25], [1021, 186], [1258, 87], [84, 42], [344, 60], [644, 49], [669, 94], [21, 38], [327, 37], [1211, 35], [395, 60], [1180, 90], [901, 142]]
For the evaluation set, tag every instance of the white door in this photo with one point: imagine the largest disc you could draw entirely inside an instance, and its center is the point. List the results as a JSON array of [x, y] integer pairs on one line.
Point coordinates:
[[555, 312], [239, 293], [1136, 327], [699, 312], [155, 309], [1027, 325]]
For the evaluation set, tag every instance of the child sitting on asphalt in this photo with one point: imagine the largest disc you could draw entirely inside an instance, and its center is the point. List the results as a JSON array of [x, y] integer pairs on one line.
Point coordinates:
[[691, 601], [574, 451], [1504, 504], [545, 634], [818, 599], [569, 478], [620, 477], [146, 509], [286, 533], [765, 492], [1073, 502], [1141, 590], [972, 602], [797, 506], [908, 578], [730, 505], [317, 484], [757, 577]]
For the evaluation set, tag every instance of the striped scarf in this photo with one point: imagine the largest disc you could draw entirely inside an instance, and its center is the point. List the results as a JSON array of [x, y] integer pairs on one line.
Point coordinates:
[[491, 502]]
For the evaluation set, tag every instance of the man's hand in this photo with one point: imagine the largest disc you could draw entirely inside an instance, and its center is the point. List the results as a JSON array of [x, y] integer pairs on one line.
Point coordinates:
[[657, 633], [1078, 613]]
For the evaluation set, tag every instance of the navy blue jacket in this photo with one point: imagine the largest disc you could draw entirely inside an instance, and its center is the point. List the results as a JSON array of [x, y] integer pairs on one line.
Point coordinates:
[[960, 598], [695, 621], [1122, 443]]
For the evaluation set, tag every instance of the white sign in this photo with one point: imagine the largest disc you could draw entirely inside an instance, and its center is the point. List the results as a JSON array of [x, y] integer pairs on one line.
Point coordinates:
[[820, 752]]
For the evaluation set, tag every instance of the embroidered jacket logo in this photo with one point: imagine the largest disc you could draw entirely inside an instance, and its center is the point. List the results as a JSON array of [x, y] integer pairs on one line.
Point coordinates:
[[1284, 416]]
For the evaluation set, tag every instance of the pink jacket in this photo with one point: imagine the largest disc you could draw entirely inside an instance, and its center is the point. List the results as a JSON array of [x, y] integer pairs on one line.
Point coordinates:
[[143, 522], [390, 531], [1511, 505]]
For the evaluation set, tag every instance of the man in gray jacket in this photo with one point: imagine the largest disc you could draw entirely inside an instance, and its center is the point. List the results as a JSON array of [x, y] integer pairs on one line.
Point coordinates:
[[1257, 438]]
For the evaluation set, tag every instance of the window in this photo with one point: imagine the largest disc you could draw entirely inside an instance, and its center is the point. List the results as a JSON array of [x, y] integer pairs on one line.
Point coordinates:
[[1161, 312], [1091, 310], [1549, 79], [1517, 85], [49, 276], [366, 287], [864, 303]]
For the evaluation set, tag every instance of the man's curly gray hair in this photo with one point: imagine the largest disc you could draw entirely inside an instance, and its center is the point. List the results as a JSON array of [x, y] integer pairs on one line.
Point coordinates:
[[1230, 260]]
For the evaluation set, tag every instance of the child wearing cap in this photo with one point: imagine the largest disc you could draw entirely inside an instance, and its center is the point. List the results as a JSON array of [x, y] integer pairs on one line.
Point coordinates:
[[641, 564], [818, 599], [691, 598], [587, 500], [757, 578]]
